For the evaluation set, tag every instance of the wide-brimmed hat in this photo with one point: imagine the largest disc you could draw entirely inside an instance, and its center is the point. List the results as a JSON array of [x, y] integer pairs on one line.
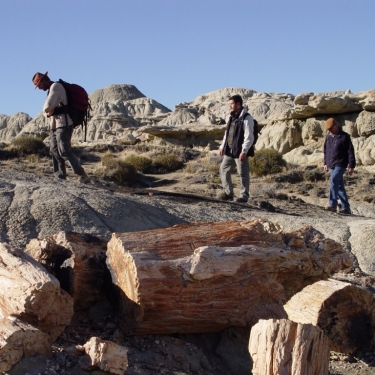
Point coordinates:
[[38, 77], [329, 123]]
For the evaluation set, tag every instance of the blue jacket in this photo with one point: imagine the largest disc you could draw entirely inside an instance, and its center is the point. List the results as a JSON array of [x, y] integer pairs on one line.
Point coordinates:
[[339, 151]]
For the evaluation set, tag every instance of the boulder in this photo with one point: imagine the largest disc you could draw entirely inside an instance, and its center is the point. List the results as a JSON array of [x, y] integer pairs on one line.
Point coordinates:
[[281, 136], [204, 277], [366, 124], [362, 236], [310, 105]]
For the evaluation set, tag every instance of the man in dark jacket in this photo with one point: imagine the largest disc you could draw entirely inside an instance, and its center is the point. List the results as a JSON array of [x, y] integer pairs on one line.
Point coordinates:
[[235, 149], [338, 155]]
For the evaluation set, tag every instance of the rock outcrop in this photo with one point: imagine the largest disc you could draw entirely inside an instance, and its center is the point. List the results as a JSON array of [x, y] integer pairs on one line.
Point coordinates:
[[11, 126]]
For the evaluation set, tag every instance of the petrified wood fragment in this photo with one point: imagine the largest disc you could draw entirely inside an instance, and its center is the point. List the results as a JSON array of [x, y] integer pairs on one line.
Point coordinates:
[[343, 311], [31, 294], [204, 277], [77, 261], [285, 347], [18, 339], [104, 355]]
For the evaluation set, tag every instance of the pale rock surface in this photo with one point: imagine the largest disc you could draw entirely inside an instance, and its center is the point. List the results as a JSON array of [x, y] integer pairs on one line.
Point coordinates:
[[364, 149], [366, 124], [285, 347], [362, 236], [19, 339], [282, 137], [30, 293], [39, 125], [309, 105], [104, 355], [10, 126], [305, 156], [366, 99]]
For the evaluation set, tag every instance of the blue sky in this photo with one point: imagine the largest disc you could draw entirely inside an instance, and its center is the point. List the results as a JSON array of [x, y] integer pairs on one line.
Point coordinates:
[[175, 50]]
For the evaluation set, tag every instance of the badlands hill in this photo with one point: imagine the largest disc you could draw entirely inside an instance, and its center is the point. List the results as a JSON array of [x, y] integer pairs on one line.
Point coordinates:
[[292, 125]]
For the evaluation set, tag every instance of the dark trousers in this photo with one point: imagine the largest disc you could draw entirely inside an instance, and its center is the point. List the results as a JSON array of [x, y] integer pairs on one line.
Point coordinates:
[[60, 150]]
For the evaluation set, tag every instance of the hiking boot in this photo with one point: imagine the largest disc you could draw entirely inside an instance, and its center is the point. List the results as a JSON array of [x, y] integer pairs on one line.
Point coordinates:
[[83, 178], [331, 209], [345, 211], [241, 200], [223, 196]]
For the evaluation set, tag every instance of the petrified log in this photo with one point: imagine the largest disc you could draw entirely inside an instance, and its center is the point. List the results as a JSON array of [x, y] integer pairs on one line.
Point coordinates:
[[104, 355], [204, 277], [285, 347], [77, 261], [17, 339], [343, 311], [30, 293]]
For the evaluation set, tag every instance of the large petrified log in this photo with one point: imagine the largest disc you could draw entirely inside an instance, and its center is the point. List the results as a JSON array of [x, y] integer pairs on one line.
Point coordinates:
[[343, 311], [204, 277], [17, 339], [285, 347], [31, 294], [77, 261]]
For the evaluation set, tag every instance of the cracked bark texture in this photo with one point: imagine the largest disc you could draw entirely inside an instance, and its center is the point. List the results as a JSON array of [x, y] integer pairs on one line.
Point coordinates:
[[343, 311], [204, 277], [286, 347]]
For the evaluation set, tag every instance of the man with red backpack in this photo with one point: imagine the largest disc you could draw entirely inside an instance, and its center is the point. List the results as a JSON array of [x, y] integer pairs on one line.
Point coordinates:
[[61, 127]]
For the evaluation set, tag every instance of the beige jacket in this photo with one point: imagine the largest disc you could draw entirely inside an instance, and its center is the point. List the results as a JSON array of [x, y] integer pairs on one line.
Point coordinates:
[[56, 96]]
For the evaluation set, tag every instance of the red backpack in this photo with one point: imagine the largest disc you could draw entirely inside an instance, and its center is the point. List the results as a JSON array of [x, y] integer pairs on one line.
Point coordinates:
[[78, 107]]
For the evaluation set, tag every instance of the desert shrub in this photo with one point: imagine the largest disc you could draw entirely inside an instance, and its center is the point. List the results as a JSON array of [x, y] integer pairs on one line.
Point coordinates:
[[166, 163], [314, 175], [123, 174], [209, 164], [140, 163], [292, 177], [119, 171], [109, 160], [266, 162], [33, 158], [27, 144]]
